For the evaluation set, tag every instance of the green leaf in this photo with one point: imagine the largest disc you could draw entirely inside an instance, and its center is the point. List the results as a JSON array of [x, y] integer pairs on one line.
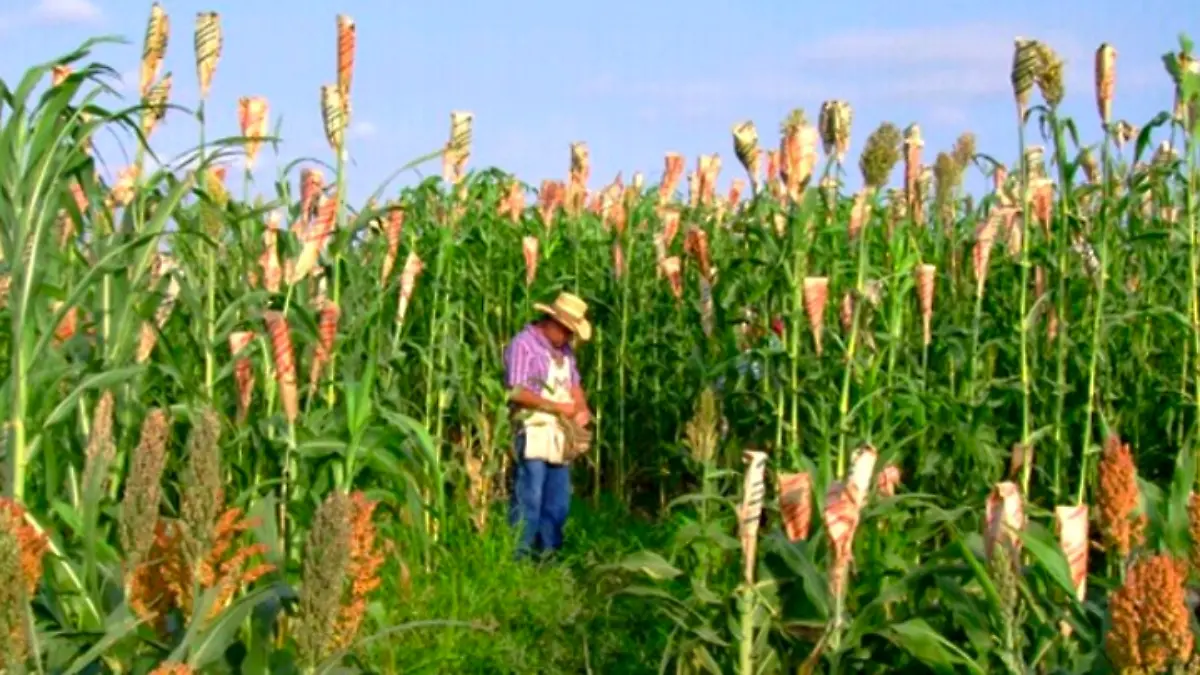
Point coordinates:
[[798, 558], [105, 380], [701, 654], [649, 592], [212, 643], [119, 625], [649, 563], [411, 427], [981, 575], [1177, 506], [163, 211], [710, 635], [266, 530], [105, 265], [1041, 543], [1145, 136], [320, 448], [331, 664], [916, 637], [67, 514]]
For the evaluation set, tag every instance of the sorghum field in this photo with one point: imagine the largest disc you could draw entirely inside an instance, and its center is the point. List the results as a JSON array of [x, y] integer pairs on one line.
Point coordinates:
[[256, 429]]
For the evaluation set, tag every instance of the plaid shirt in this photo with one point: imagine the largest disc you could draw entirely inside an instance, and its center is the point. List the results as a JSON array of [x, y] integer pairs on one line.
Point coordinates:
[[527, 360]]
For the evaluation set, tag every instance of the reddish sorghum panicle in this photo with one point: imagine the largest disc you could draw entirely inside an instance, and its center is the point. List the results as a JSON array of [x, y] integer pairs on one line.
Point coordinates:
[[366, 558], [1150, 619], [1117, 499], [327, 327], [1194, 529], [285, 363], [31, 543], [795, 504]]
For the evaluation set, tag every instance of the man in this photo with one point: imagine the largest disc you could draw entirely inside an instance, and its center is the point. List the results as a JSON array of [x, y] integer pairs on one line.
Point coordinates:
[[543, 380]]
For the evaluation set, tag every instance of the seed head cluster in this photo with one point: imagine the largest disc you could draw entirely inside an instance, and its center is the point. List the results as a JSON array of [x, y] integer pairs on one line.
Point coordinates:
[[143, 490], [1118, 499], [203, 494], [22, 549], [880, 155], [1151, 630], [326, 566]]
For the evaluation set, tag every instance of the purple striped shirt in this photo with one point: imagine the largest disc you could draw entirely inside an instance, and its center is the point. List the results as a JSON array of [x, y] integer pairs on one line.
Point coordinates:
[[527, 360]]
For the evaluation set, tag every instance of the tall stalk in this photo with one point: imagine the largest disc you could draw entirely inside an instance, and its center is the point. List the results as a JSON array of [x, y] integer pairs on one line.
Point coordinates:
[[1023, 322], [340, 228], [794, 331], [210, 305], [436, 396], [597, 460], [976, 325], [851, 350], [1097, 345], [746, 607], [1193, 219], [622, 374], [896, 315], [1063, 245]]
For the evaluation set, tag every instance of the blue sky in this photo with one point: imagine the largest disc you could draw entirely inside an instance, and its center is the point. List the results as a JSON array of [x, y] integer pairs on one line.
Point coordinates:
[[633, 79]]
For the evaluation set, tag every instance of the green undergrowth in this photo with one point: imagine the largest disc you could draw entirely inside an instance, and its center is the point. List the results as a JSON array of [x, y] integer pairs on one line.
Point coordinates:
[[554, 616]]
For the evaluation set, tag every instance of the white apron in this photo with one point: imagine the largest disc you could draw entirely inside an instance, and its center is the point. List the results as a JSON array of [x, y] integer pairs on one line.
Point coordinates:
[[544, 437]]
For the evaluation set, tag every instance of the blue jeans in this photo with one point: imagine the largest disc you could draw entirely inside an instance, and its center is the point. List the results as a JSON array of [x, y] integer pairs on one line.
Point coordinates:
[[541, 499]]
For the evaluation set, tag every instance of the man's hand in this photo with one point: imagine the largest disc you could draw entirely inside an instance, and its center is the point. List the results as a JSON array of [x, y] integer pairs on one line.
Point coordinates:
[[564, 409], [528, 399], [582, 417]]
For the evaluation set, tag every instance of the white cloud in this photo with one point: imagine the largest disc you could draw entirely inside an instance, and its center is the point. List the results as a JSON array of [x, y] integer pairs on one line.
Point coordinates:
[[649, 114], [600, 85], [51, 12], [66, 11], [907, 46], [363, 130], [514, 144], [950, 82], [955, 65], [948, 115], [698, 98], [956, 61], [961, 44]]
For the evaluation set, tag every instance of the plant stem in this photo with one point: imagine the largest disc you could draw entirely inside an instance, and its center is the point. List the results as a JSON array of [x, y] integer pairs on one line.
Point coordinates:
[[337, 266], [1060, 159], [794, 331], [1097, 344], [1193, 219], [211, 276], [622, 387], [1023, 323], [746, 641], [859, 285]]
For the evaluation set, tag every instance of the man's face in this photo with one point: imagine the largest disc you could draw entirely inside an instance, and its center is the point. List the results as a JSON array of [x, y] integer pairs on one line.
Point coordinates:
[[556, 333]]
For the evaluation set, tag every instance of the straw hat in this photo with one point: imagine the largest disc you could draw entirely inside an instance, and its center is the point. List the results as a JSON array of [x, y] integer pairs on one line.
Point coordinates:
[[571, 312]]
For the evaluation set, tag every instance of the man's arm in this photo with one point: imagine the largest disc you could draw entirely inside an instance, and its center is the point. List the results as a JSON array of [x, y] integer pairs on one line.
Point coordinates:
[[582, 413], [528, 399], [519, 373]]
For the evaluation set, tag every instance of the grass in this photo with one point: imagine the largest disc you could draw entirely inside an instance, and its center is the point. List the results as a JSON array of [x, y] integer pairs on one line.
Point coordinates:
[[541, 617]]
